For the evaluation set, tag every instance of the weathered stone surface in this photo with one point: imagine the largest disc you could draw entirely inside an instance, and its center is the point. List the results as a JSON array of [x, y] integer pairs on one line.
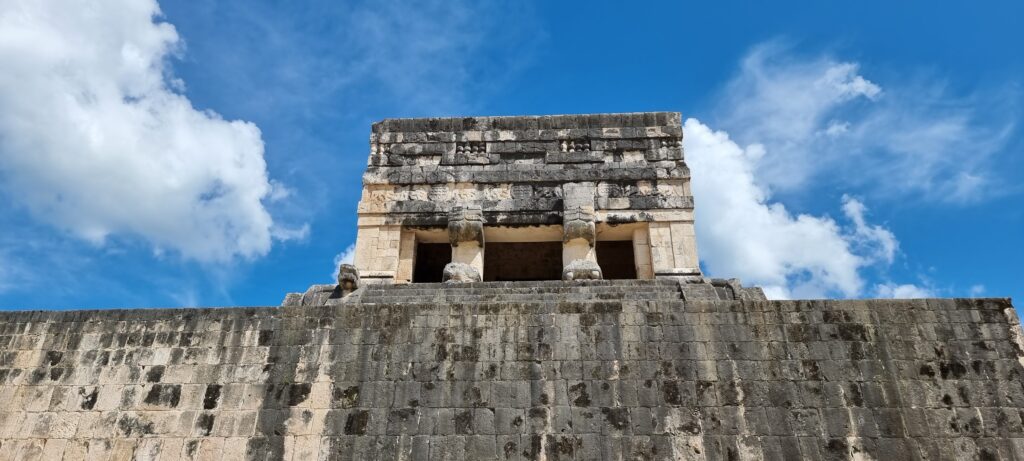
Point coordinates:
[[348, 278], [675, 366], [582, 269], [465, 224], [579, 224], [524, 370], [508, 176], [460, 273]]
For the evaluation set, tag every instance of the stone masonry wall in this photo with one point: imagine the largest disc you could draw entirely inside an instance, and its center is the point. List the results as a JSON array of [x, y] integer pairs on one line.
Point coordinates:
[[553, 380], [629, 169]]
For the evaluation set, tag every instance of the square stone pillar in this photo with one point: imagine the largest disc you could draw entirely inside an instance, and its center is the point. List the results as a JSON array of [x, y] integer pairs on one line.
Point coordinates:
[[579, 233], [466, 235], [406, 256], [674, 249], [642, 254]]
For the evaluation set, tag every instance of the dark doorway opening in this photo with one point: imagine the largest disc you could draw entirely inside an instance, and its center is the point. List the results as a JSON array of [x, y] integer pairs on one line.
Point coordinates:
[[430, 261], [522, 261], [616, 259]]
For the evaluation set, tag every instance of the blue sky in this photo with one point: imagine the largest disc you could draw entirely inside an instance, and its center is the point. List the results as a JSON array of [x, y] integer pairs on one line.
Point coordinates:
[[209, 153]]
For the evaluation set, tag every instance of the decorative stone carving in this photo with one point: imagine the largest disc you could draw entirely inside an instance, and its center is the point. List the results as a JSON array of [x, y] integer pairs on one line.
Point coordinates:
[[348, 278], [466, 224], [497, 192], [578, 223], [547, 191], [470, 147], [574, 145], [607, 189], [419, 192], [523, 172], [582, 269], [466, 194], [460, 273], [438, 192], [522, 191]]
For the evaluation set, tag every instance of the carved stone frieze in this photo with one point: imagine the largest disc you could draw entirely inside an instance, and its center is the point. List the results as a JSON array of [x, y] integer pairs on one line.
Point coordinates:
[[466, 224], [578, 223]]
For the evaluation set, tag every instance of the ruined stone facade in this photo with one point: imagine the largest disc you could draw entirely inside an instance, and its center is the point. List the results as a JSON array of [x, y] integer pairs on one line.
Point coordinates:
[[656, 365], [587, 181]]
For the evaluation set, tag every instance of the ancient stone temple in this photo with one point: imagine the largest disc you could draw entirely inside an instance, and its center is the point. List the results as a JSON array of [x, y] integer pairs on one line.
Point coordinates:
[[524, 288], [520, 198]]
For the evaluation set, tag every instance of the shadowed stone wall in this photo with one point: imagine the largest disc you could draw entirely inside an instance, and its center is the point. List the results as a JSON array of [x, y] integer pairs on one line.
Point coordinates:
[[542, 371]]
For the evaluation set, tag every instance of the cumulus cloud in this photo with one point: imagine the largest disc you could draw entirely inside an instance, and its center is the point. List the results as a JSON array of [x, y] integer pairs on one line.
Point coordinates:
[[742, 233], [820, 115], [905, 291], [97, 139], [787, 124], [874, 240]]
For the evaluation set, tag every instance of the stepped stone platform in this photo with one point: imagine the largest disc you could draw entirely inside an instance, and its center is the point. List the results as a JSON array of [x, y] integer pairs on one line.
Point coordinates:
[[524, 371], [624, 350]]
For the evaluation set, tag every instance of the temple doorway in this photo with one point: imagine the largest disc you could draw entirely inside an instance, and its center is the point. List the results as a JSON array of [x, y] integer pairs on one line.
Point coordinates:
[[430, 261], [616, 259], [522, 261]]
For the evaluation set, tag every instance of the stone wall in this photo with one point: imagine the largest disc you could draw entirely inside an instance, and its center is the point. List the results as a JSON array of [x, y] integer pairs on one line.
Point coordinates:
[[526, 371]]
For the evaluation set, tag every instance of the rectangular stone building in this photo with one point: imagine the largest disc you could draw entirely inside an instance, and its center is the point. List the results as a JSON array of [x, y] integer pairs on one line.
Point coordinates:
[[545, 191]]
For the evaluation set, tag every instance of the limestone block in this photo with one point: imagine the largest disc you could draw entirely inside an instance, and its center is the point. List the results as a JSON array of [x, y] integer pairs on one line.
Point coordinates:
[[209, 448], [470, 253], [406, 257], [660, 238], [465, 224], [684, 245], [348, 278], [578, 223], [582, 269], [642, 254], [460, 273], [54, 449], [578, 249]]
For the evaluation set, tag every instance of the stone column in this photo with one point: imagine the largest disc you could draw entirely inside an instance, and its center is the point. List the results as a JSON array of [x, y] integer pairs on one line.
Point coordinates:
[[642, 254], [466, 235], [406, 256], [674, 250], [579, 234]]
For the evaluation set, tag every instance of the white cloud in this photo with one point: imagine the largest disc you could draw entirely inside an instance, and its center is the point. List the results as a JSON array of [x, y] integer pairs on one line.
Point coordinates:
[[96, 139], [794, 125], [976, 290], [906, 291], [345, 257], [742, 233], [875, 240], [823, 121]]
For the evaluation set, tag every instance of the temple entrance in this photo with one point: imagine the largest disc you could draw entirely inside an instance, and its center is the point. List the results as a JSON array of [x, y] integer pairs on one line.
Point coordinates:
[[522, 261], [616, 259], [430, 261]]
